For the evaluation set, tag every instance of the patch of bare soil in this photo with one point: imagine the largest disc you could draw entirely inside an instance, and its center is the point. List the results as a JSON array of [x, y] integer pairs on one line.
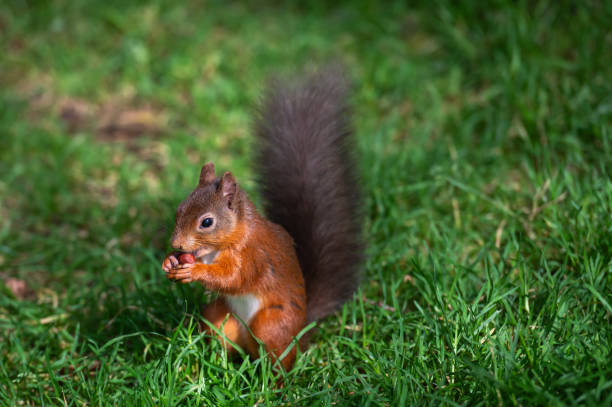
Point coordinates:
[[112, 121]]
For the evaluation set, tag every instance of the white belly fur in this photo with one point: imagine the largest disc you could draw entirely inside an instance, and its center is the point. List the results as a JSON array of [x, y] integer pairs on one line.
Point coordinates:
[[245, 306]]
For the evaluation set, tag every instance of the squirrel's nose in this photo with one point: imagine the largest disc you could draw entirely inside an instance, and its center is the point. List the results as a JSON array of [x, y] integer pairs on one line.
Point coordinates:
[[176, 243]]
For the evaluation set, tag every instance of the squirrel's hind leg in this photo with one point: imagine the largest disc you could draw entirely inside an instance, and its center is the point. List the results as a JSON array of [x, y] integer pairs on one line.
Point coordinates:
[[276, 329], [220, 316]]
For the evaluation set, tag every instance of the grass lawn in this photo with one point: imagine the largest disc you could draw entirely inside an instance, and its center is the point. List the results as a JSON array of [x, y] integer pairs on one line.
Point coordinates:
[[485, 149]]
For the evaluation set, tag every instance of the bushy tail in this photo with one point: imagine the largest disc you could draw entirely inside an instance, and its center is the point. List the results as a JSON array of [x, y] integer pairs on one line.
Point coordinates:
[[309, 185]]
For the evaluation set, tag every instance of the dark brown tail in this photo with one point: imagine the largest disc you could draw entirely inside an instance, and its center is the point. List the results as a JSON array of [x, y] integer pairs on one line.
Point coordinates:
[[308, 182]]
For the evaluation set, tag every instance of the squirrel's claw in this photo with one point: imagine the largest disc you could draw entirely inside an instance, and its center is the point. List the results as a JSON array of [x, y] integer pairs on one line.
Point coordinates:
[[181, 274], [184, 266], [177, 271], [169, 263]]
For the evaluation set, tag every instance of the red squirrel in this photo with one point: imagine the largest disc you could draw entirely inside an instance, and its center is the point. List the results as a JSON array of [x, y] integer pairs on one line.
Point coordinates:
[[302, 261]]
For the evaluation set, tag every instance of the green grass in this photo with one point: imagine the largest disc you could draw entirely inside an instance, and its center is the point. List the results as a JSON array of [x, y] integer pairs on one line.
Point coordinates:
[[485, 144]]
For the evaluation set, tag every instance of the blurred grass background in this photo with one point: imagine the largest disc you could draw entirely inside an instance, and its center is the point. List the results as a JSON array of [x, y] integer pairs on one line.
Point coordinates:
[[484, 141]]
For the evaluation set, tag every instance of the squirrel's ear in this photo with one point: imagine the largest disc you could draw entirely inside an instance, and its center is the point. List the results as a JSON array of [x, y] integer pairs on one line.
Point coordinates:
[[207, 175], [228, 188]]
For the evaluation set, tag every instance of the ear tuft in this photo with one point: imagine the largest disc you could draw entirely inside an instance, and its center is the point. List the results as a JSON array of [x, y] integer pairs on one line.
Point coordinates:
[[207, 175], [228, 188]]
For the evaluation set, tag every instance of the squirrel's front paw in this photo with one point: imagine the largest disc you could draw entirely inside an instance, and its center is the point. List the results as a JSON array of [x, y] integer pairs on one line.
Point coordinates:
[[184, 273], [170, 262]]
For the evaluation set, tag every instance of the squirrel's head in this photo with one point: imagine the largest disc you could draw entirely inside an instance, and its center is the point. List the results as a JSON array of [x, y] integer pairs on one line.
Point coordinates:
[[207, 218]]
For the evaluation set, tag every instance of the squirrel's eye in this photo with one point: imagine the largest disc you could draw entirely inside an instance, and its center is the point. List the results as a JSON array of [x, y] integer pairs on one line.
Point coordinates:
[[207, 222]]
